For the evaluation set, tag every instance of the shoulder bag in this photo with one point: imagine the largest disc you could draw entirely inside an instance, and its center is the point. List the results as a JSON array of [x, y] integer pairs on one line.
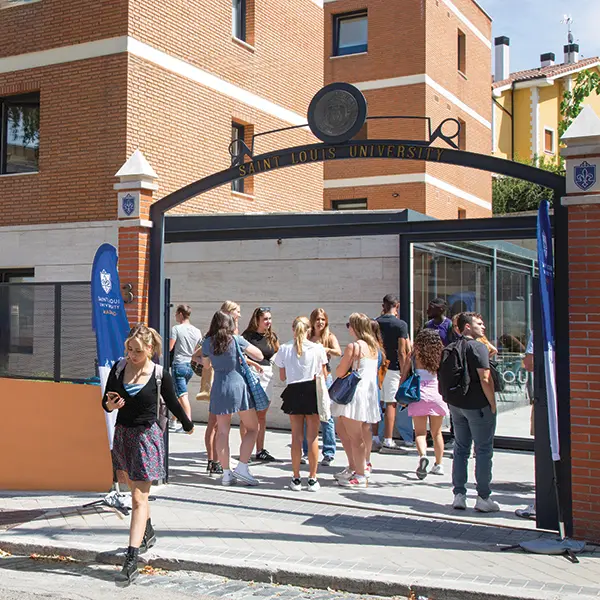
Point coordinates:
[[258, 397], [409, 391], [342, 390]]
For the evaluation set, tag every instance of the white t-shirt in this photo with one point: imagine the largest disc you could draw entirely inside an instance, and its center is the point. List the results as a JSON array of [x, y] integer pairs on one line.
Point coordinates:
[[301, 368]]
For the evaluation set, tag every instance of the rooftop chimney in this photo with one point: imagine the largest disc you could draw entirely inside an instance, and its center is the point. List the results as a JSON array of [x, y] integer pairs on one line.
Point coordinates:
[[571, 53], [548, 59], [502, 67]]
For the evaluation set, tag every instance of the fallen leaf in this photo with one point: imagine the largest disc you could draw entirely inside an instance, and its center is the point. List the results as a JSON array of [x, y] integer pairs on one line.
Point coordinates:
[[53, 558], [150, 570]]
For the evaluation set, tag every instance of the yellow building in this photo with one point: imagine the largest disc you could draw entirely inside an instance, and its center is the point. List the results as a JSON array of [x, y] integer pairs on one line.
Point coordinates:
[[526, 104]]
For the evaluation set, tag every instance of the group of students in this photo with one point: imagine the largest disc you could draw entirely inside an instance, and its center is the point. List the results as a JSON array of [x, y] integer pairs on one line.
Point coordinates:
[[380, 352]]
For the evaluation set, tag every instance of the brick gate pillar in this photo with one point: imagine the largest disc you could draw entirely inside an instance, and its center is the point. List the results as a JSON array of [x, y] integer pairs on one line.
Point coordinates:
[[135, 195], [582, 201]]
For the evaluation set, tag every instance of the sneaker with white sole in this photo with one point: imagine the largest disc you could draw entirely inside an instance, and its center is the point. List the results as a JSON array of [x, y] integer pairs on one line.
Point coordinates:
[[392, 448], [304, 460], [368, 470], [295, 484], [437, 470], [422, 468], [460, 502], [345, 474], [244, 476], [356, 481], [486, 506], [228, 478], [313, 485], [375, 446], [327, 460]]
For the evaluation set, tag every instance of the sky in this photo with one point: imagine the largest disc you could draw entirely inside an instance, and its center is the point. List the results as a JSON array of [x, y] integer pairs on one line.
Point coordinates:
[[534, 27]]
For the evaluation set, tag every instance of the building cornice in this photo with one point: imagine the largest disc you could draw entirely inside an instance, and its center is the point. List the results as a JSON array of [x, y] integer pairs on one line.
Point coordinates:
[[127, 44]]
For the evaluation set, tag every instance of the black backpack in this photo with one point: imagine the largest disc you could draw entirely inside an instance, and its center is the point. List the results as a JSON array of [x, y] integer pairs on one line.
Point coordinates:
[[453, 374]]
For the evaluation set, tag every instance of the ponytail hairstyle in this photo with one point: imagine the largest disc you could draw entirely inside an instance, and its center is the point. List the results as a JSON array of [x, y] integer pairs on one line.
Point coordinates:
[[361, 324], [149, 338], [270, 335], [220, 332], [301, 327]]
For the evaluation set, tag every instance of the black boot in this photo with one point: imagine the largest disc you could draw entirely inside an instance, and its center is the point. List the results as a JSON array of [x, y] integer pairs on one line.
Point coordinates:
[[149, 538], [129, 573]]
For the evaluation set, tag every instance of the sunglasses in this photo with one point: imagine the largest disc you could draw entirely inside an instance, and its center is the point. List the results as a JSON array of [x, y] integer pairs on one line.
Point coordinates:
[[264, 309]]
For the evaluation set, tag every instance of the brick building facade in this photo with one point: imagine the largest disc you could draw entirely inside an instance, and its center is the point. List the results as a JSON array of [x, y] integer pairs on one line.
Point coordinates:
[[171, 79], [427, 58]]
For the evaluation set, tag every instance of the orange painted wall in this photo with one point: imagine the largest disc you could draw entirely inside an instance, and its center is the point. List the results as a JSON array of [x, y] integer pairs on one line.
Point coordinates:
[[53, 437]]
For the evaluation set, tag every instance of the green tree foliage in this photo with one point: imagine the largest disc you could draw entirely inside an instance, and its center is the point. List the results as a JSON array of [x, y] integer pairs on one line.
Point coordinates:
[[586, 83], [511, 195]]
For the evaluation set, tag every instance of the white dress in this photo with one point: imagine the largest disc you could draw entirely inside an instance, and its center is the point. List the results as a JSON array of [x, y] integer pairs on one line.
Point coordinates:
[[364, 406]]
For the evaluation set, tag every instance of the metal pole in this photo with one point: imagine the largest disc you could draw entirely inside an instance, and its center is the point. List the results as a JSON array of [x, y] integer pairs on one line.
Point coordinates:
[[155, 288], [57, 330]]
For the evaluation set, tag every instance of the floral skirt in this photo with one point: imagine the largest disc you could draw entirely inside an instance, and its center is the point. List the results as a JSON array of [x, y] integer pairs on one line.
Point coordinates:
[[140, 452]]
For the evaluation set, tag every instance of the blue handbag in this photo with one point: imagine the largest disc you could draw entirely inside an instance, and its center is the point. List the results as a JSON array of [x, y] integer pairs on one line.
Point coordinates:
[[343, 388], [258, 397], [409, 391]]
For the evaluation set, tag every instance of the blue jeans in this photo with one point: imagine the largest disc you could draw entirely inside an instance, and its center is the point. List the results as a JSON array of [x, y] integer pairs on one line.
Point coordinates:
[[182, 373], [403, 424], [327, 431], [477, 426]]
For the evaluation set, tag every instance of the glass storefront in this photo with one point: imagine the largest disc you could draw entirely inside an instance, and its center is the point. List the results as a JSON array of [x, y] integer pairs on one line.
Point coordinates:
[[494, 279]]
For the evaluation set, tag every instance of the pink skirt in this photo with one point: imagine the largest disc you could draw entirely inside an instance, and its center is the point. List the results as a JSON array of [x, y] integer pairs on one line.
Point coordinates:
[[431, 403]]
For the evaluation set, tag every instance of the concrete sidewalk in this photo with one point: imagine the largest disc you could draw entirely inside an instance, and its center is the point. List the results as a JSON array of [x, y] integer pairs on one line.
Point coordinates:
[[397, 535]]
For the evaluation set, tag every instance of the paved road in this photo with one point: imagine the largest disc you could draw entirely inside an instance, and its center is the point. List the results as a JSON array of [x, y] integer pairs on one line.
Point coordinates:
[[23, 578]]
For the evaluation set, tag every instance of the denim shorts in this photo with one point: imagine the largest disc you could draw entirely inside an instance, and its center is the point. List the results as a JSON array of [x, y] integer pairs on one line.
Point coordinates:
[[182, 373]]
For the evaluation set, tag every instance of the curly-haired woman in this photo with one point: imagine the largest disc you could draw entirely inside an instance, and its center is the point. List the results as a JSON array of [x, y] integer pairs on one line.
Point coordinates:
[[427, 352]]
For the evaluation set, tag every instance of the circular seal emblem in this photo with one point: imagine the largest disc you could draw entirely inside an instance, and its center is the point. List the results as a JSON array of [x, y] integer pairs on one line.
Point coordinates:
[[337, 113]]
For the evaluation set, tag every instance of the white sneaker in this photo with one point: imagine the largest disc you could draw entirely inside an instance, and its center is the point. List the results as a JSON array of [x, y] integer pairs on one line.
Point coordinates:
[[228, 478], [295, 485], [356, 481], [243, 475], [422, 468], [304, 460], [368, 470], [486, 506], [345, 474], [460, 502], [313, 485], [437, 470], [393, 448]]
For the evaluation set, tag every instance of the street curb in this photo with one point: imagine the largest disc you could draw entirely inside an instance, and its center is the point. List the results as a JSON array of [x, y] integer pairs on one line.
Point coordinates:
[[298, 577]]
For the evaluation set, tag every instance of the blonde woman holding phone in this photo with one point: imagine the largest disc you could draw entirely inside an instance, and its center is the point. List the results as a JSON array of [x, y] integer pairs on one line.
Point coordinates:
[[138, 448]]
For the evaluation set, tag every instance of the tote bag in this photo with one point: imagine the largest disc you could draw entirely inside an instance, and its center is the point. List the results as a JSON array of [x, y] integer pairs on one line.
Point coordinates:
[[258, 396], [323, 399], [409, 391], [342, 390]]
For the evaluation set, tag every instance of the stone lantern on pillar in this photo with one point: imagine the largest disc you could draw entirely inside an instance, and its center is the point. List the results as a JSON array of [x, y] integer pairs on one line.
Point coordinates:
[[135, 190], [582, 154]]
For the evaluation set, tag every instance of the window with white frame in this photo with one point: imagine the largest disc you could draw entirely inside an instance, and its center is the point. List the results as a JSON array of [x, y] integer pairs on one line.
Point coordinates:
[[354, 204], [549, 137]]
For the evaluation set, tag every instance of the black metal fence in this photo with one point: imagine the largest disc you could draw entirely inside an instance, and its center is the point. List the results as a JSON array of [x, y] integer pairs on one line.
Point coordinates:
[[46, 331]]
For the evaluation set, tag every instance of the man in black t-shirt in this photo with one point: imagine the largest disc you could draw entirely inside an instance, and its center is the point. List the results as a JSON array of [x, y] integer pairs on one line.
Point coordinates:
[[396, 344], [474, 418]]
